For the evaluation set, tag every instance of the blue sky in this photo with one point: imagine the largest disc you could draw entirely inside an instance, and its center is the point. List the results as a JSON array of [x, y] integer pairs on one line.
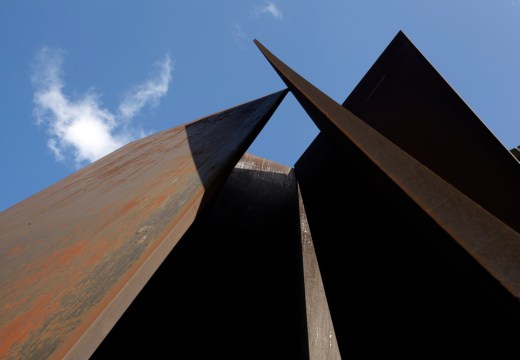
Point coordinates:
[[80, 78]]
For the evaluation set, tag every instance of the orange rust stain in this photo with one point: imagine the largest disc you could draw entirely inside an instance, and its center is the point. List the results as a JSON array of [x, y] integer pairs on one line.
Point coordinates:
[[20, 328], [28, 280], [159, 200], [41, 268], [152, 204], [16, 304], [106, 222], [95, 256], [66, 254], [14, 250], [128, 206], [100, 249]]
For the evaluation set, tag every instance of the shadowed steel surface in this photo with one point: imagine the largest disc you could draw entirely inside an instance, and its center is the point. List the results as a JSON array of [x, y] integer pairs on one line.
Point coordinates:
[[233, 285], [393, 277], [492, 243], [405, 99], [516, 152], [320, 330], [73, 256]]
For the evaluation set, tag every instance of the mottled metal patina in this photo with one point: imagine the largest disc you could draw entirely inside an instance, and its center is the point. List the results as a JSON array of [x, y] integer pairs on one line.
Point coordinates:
[[74, 256]]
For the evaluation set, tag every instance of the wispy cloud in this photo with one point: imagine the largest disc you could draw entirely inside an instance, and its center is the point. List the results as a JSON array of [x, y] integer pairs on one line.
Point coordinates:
[[238, 33], [515, 2], [81, 129], [269, 8], [148, 92]]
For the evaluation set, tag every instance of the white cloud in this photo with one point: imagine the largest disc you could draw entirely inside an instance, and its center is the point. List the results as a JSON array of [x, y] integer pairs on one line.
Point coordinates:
[[269, 8], [82, 129], [149, 92]]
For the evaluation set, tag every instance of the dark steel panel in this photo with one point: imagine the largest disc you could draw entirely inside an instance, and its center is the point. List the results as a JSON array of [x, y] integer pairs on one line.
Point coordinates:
[[491, 242], [74, 256], [515, 152], [396, 283], [404, 98], [233, 286]]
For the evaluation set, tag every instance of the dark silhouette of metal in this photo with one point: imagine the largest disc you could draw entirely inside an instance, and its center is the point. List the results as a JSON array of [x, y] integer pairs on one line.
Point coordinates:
[[493, 245], [395, 234], [404, 98]]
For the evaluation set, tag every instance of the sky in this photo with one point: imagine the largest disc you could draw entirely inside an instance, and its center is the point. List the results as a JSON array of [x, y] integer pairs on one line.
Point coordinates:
[[78, 79]]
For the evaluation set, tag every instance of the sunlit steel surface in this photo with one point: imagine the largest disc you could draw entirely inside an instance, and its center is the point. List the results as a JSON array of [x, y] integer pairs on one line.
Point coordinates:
[[74, 256], [320, 329]]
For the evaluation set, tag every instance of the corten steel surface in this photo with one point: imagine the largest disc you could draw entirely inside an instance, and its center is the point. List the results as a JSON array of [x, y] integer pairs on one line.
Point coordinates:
[[396, 283], [74, 256], [233, 285], [404, 98], [495, 245], [321, 335]]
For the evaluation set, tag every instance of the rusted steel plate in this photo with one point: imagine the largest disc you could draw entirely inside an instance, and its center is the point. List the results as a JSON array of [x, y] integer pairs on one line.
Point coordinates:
[[322, 338], [394, 277], [495, 245], [233, 284], [404, 98], [74, 256]]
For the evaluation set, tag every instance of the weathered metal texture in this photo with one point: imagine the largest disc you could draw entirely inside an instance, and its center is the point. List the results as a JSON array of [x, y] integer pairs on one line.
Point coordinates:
[[74, 256], [495, 245], [320, 330], [395, 281], [404, 98], [233, 286]]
